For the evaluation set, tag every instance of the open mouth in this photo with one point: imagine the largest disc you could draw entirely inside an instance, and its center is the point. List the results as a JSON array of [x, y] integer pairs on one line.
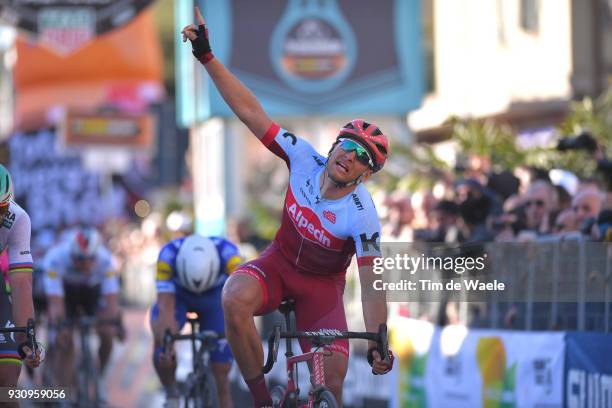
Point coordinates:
[[343, 167]]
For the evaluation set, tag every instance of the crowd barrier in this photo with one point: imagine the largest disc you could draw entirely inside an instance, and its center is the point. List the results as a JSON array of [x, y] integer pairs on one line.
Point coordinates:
[[550, 284]]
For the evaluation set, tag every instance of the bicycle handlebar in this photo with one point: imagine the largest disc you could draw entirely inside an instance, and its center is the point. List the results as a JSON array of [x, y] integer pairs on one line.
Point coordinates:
[[325, 337], [28, 329], [30, 332], [202, 336]]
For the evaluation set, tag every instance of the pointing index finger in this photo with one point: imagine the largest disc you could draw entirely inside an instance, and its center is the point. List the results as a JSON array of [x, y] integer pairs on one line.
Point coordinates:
[[199, 16]]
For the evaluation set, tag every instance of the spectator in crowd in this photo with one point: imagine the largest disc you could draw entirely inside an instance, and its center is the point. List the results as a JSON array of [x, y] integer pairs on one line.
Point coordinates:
[[400, 217], [471, 188], [586, 205], [565, 222], [503, 184], [422, 203], [564, 198], [473, 212], [602, 229], [466, 189], [529, 175], [444, 227], [539, 201], [427, 206], [478, 168]]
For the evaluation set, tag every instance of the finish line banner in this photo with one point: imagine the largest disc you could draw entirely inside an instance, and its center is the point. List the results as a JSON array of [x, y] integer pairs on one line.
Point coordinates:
[[302, 57]]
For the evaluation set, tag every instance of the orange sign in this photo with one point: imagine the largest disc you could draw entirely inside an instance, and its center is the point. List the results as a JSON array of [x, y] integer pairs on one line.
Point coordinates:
[[122, 69]]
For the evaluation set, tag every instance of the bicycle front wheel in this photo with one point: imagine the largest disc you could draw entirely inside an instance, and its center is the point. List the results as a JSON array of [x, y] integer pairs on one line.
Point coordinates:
[[325, 399], [203, 391], [210, 391]]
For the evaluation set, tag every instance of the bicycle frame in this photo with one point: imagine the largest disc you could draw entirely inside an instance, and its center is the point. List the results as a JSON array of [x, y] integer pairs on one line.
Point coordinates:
[[317, 378], [89, 378], [321, 341], [199, 382], [88, 366], [199, 364]]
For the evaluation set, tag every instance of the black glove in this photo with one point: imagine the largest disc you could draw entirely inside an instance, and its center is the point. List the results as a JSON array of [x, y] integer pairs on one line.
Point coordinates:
[[371, 359], [201, 45]]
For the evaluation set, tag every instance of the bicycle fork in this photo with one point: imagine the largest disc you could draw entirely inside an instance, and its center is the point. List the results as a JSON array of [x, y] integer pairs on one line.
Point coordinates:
[[317, 371]]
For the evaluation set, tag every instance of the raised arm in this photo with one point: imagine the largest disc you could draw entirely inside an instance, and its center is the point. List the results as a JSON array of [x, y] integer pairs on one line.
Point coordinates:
[[239, 98]]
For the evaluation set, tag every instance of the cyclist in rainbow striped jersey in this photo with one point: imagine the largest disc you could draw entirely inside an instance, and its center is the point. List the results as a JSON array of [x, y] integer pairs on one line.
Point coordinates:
[[16, 305]]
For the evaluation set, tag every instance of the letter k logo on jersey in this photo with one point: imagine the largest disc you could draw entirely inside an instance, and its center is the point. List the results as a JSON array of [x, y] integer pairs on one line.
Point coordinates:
[[331, 217]]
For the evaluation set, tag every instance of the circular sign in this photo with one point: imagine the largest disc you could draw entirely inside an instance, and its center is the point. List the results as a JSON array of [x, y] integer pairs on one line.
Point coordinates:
[[313, 50]]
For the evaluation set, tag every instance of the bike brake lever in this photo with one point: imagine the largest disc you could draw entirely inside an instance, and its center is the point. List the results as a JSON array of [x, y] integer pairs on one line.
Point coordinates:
[[383, 342], [277, 332], [31, 335], [273, 342]]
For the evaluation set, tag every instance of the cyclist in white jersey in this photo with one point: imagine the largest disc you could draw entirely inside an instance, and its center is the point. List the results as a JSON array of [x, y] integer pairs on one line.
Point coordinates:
[[16, 305], [80, 280], [328, 216]]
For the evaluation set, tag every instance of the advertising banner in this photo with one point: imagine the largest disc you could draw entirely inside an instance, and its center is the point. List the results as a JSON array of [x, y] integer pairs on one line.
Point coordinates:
[[64, 26], [308, 56], [488, 368], [411, 342], [109, 130], [109, 72], [588, 379]]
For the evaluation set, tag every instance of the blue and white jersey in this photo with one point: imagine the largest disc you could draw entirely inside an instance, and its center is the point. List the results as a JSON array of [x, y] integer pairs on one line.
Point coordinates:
[[167, 280]]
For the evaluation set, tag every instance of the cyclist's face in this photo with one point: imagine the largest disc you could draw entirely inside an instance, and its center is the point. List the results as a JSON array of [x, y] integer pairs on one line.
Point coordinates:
[[344, 166], [83, 264]]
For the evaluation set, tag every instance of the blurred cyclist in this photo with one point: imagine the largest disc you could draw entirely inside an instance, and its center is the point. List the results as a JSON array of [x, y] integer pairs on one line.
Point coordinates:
[[16, 305], [191, 272], [328, 216], [80, 281]]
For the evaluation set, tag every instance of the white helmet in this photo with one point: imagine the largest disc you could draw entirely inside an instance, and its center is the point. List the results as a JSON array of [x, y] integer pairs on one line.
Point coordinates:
[[197, 263], [84, 243]]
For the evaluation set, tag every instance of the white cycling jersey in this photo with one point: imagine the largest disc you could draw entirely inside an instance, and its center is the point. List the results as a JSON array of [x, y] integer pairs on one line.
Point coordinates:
[[15, 232], [60, 269]]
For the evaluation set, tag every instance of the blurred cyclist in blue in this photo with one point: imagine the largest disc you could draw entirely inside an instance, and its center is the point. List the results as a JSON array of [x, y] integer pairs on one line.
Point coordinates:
[[191, 272]]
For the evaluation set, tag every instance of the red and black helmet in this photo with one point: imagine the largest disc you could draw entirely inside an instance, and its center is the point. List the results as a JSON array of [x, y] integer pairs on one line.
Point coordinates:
[[370, 136]]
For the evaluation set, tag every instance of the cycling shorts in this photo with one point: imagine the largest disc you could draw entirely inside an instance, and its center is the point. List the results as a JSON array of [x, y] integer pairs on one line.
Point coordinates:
[[210, 317], [81, 298], [8, 345], [318, 298]]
